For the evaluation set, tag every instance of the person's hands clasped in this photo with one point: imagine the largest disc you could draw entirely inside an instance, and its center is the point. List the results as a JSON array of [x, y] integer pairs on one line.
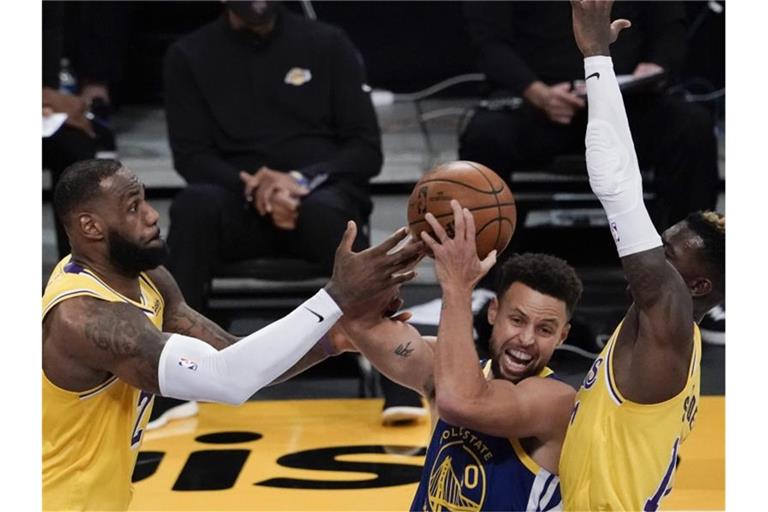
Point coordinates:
[[456, 261], [557, 101], [368, 281], [285, 209], [262, 186]]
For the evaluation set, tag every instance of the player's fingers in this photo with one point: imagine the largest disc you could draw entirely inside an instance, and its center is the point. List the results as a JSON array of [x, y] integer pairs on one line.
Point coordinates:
[[348, 238], [391, 241], [403, 316], [429, 241], [459, 228], [488, 262], [437, 228], [403, 277], [469, 221], [407, 255], [394, 305], [617, 26]]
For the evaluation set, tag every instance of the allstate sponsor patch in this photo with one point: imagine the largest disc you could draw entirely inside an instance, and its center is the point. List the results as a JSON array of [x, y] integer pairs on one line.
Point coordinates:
[[187, 363]]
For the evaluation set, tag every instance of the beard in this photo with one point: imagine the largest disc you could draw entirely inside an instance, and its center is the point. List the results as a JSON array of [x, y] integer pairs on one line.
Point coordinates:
[[133, 258]]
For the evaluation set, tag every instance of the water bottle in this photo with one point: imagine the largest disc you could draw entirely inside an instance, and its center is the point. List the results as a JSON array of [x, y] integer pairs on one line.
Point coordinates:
[[67, 82]]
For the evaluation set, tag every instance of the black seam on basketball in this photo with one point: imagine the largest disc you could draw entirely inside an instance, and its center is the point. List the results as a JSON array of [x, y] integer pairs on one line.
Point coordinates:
[[448, 214], [495, 196], [455, 182]]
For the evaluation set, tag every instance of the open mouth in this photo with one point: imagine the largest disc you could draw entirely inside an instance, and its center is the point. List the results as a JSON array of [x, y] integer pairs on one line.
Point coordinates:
[[516, 361]]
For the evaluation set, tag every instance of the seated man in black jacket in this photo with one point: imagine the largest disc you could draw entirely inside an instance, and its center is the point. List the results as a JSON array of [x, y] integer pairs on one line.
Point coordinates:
[[527, 49], [271, 124]]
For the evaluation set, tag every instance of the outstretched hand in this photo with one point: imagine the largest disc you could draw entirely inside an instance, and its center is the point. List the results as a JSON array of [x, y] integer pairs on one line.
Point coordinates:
[[456, 261], [369, 280], [592, 26]]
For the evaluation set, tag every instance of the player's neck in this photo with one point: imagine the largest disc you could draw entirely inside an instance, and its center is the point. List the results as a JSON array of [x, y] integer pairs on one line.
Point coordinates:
[[124, 283], [700, 308]]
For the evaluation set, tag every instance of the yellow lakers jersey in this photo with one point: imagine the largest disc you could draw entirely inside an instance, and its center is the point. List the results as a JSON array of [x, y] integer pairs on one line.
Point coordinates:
[[622, 455], [91, 438]]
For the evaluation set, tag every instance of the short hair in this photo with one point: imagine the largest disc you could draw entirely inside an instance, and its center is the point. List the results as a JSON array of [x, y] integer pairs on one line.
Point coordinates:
[[544, 273], [79, 182], [710, 226]]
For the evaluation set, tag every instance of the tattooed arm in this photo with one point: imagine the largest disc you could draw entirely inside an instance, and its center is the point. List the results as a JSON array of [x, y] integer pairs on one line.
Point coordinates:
[[178, 317], [86, 339], [398, 351]]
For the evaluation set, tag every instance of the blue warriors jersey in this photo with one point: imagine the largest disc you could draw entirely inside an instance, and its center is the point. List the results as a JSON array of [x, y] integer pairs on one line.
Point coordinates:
[[466, 470]]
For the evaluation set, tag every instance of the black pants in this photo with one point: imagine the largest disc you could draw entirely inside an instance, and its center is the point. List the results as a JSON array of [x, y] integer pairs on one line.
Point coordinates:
[[673, 137], [211, 225], [65, 147]]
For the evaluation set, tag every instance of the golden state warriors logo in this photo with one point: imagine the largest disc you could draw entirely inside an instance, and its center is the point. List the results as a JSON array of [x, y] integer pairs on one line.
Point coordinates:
[[457, 480], [298, 76]]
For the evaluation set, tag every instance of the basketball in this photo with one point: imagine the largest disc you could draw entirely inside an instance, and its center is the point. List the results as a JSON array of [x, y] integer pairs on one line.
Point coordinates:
[[476, 188]]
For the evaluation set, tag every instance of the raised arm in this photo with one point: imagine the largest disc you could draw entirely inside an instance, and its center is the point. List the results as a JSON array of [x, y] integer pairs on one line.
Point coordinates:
[[662, 302], [534, 407]]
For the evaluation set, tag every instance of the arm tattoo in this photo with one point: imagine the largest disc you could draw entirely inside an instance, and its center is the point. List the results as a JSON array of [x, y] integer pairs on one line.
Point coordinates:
[[126, 338], [114, 334], [403, 350], [189, 322]]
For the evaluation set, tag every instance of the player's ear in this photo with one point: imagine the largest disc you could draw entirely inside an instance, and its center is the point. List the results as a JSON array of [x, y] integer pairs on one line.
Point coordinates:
[[700, 286], [90, 226], [493, 310], [564, 334]]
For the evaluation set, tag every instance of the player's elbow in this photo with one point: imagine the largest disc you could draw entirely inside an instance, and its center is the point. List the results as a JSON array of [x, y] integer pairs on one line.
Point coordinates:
[[453, 409]]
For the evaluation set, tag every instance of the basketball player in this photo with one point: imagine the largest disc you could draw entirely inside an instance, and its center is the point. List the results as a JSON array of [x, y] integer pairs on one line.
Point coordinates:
[[116, 331], [497, 426], [639, 400]]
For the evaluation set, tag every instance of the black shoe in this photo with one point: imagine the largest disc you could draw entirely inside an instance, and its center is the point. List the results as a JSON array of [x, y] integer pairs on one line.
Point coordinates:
[[402, 406], [712, 326], [167, 409]]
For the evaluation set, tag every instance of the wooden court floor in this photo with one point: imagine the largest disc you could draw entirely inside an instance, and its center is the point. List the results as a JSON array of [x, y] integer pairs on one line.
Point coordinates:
[[335, 455]]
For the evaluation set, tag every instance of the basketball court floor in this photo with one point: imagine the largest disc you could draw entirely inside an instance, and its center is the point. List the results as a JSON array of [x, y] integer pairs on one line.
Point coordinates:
[[335, 455], [314, 443]]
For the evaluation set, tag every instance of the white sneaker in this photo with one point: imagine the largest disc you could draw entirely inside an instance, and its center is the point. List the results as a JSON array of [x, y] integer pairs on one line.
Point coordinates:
[[175, 412]]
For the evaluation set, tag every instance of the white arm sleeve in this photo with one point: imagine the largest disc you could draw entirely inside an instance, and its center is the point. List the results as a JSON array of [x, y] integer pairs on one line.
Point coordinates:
[[614, 174], [191, 369]]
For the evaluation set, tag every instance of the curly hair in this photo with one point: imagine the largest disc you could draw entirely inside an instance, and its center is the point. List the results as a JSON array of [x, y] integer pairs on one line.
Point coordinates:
[[79, 182], [710, 226], [544, 273]]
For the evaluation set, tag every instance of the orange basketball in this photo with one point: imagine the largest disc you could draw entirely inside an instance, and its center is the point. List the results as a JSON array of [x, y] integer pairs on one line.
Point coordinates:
[[476, 188]]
